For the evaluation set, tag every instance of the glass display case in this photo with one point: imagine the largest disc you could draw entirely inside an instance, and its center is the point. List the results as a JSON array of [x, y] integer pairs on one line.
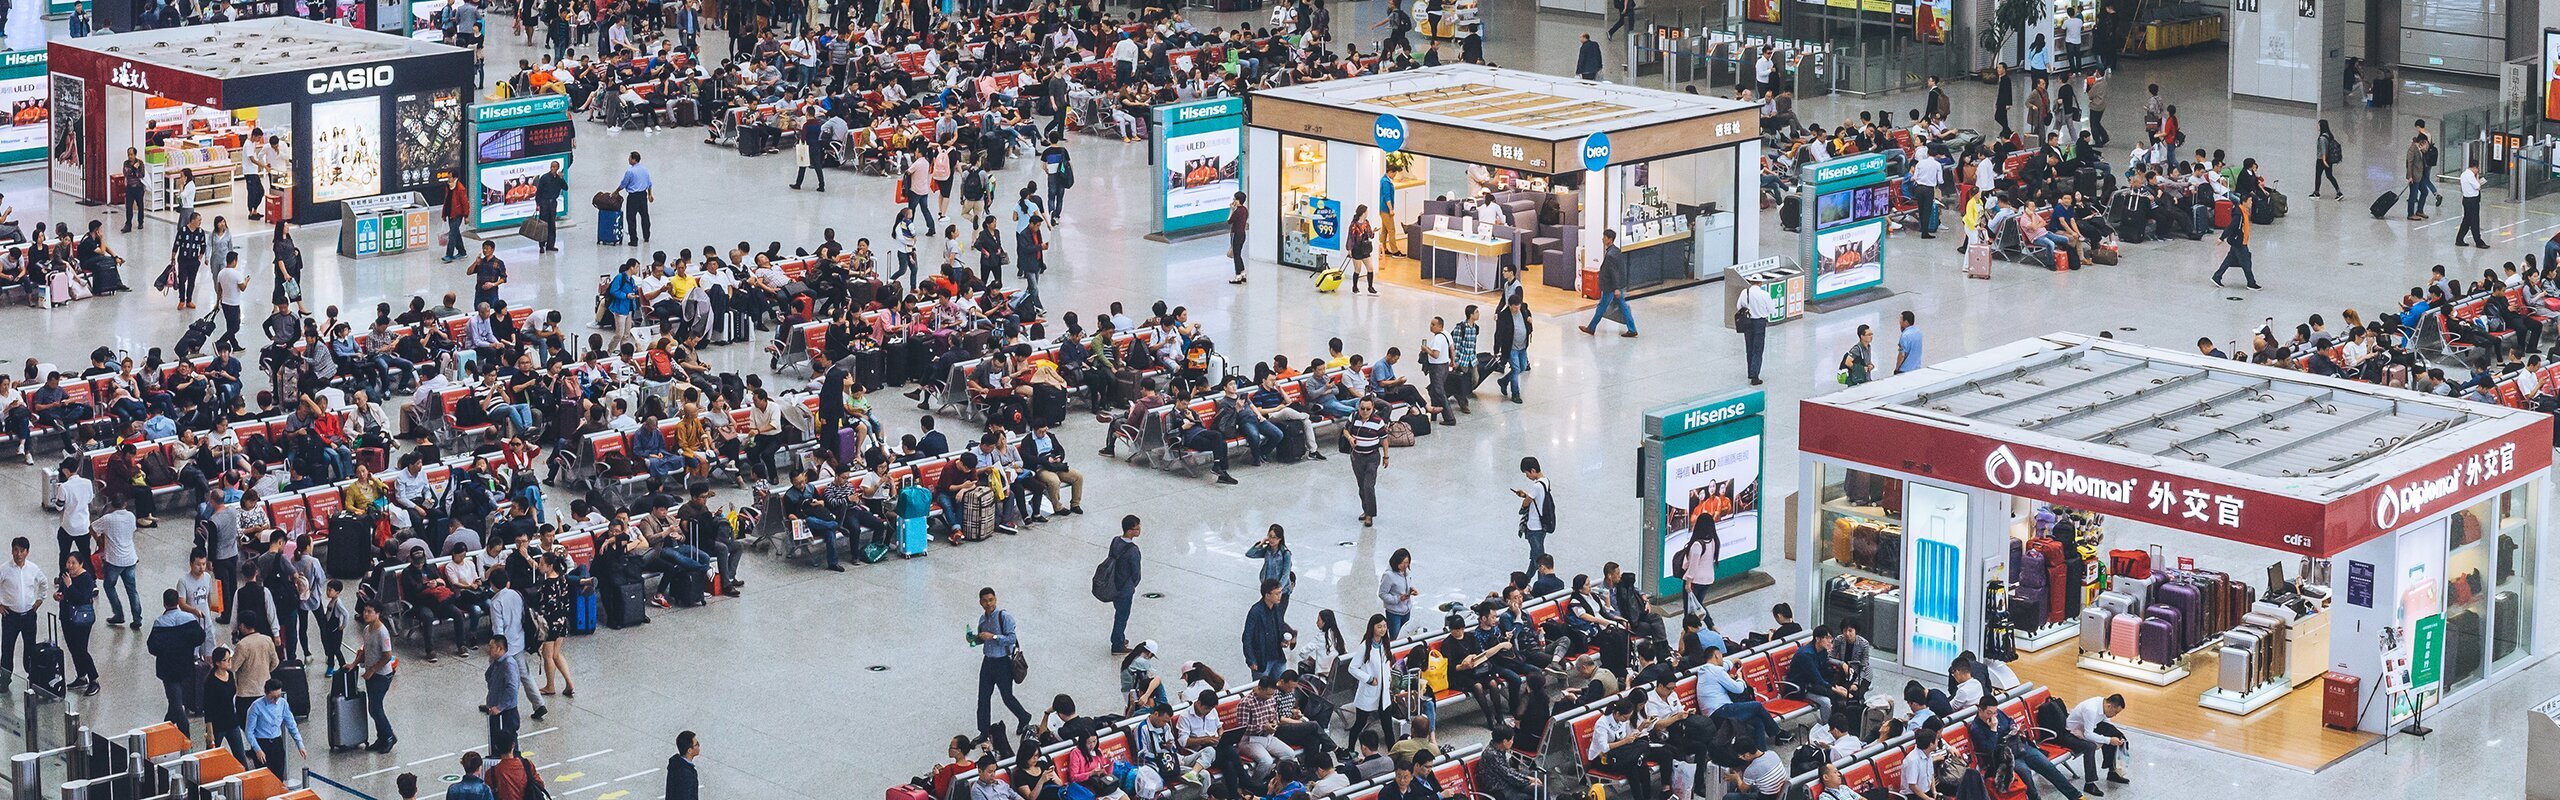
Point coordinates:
[[2466, 596], [2511, 584], [1302, 182], [1859, 549]]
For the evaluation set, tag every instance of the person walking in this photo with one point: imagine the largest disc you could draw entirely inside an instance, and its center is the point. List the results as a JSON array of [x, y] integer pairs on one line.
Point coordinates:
[[229, 286], [2237, 237], [2093, 96], [1927, 174], [498, 702], [1262, 625], [1126, 563], [1363, 237], [637, 191], [1537, 509], [457, 207], [117, 556], [1367, 435], [256, 164], [1586, 63], [1511, 328], [1858, 365], [1371, 669], [1626, 16], [2470, 206], [1238, 219], [1396, 592], [186, 259], [684, 781], [134, 189], [488, 272], [1907, 344], [2414, 167], [506, 621], [376, 663], [1061, 170], [1278, 564], [2324, 162], [996, 639], [547, 192], [268, 723], [1751, 313], [811, 151], [1613, 272], [172, 644]]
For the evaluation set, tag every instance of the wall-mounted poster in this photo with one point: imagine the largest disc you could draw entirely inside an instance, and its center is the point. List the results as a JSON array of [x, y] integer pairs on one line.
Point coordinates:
[[430, 136], [1935, 17], [346, 149], [70, 134], [1761, 11], [2551, 74]]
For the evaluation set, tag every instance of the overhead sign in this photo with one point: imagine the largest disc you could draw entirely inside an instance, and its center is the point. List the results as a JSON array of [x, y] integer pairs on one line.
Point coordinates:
[[2197, 505], [1595, 152], [349, 79], [537, 105], [1389, 132]]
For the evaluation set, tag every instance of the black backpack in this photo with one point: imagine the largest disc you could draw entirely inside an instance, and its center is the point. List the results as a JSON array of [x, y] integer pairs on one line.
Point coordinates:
[[2333, 152], [1106, 578]]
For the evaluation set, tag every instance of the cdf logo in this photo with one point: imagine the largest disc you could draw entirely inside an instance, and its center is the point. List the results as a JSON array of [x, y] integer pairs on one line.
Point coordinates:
[[1389, 131], [1595, 152]]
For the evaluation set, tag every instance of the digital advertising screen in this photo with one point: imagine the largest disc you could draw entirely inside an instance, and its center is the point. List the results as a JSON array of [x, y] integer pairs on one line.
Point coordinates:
[[1711, 499], [430, 136], [2551, 75], [1202, 173], [542, 139], [24, 94], [1848, 258], [70, 134], [346, 149], [506, 190], [1834, 209]]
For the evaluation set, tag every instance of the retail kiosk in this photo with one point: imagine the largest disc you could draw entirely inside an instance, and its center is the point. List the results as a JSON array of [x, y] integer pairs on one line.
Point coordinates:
[[361, 113], [1674, 174], [2299, 563]]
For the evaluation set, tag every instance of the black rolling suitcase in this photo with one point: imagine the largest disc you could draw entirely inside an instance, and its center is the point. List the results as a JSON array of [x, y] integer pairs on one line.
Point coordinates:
[[297, 686], [44, 659], [348, 724], [628, 606], [893, 362], [350, 546], [198, 332], [2382, 205], [866, 368]]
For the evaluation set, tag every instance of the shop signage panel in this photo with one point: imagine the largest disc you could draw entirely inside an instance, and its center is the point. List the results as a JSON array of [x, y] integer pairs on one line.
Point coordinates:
[[411, 74], [137, 76], [2451, 482], [1702, 482], [1595, 151], [2176, 501], [1389, 133], [523, 110]]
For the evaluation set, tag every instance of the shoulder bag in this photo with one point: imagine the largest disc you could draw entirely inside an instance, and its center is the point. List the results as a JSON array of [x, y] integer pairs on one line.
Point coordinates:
[[1021, 666]]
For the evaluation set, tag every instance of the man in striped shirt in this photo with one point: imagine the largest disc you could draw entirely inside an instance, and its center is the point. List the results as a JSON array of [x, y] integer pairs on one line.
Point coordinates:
[[1367, 435]]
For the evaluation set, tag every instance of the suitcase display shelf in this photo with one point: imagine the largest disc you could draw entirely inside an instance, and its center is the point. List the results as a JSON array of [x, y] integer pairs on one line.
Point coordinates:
[[2049, 635], [2269, 687], [2137, 669]]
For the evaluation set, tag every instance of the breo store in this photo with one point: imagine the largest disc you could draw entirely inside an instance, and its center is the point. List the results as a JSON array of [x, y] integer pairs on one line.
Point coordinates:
[[2264, 562], [358, 113]]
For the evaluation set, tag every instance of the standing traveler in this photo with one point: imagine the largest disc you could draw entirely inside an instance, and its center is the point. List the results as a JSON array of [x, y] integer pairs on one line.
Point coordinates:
[[1396, 592], [78, 590], [1613, 272], [2093, 95], [2414, 168], [1364, 255], [996, 639], [1278, 564], [135, 188], [811, 151], [23, 588], [547, 192], [1927, 174], [498, 702], [186, 259], [257, 163], [1061, 170], [1751, 312], [1907, 345], [457, 205], [1462, 358], [1537, 509], [375, 661], [2237, 237], [636, 191], [1859, 364], [229, 286], [506, 621], [1367, 435], [1435, 368], [488, 272], [1511, 327], [1586, 62], [1238, 218], [2470, 206], [267, 724], [172, 644], [117, 557], [1263, 623], [2324, 162], [1371, 670], [1126, 561]]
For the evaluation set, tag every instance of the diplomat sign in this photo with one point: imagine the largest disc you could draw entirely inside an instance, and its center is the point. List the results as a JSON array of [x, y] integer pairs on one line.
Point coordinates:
[[2003, 469]]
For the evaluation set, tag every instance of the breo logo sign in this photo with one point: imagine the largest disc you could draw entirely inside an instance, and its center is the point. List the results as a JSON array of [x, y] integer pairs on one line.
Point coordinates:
[[1389, 131], [1595, 152], [347, 80]]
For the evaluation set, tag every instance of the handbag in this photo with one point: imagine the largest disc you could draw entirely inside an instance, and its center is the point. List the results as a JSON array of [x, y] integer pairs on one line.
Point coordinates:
[[1021, 666], [80, 615], [1399, 434]]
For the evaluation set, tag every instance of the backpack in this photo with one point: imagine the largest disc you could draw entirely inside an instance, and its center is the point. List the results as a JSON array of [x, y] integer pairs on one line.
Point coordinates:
[[659, 366], [1106, 578], [2331, 150], [973, 186]]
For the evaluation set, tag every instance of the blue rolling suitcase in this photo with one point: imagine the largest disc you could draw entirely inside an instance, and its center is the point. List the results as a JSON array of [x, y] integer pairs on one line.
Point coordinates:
[[582, 620], [608, 227]]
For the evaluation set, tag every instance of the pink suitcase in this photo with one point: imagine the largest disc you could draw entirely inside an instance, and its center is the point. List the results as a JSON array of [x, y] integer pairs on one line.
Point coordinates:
[[2124, 636]]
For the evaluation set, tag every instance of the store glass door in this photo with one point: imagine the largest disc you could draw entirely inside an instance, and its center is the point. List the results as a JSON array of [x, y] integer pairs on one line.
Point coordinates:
[[1303, 201], [2466, 598], [1859, 546], [2511, 584]]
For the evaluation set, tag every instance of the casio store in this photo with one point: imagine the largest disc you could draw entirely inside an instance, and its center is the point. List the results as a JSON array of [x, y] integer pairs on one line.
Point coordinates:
[[2264, 562], [358, 113], [1477, 178]]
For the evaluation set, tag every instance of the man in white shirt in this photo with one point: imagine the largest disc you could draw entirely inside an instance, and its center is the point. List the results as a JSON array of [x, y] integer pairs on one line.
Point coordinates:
[[1968, 691], [1435, 365], [1919, 775], [23, 588], [2088, 732], [1196, 727], [228, 286], [1751, 312], [113, 533], [2071, 30], [2470, 206], [1763, 778], [72, 496], [1621, 745], [1926, 175], [255, 165]]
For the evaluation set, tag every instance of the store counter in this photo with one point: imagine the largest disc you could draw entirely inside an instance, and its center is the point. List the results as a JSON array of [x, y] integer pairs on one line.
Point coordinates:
[[1476, 259], [1661, 258]]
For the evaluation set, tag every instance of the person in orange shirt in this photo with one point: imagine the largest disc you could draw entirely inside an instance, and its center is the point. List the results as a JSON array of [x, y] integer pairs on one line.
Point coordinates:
[[2237, 236]]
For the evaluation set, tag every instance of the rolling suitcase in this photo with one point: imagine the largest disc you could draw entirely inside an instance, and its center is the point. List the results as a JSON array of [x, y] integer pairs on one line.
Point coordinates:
[[297, 686], [2188, 604], [2026, 612], [1886, 615], [2509, 623], [909, 791], [2382, 205], [2115, 602], [2124, 636], [585, 611], [348, 723], [44, 659], [2156, 642], [629, 606], [2234, 673], [2202, 221], [2221, 213], [2057, 583], [350, 546], [2177, 621], [608, 227], [1977, 261], [198, 333], [2137, 588], [2094, 624]]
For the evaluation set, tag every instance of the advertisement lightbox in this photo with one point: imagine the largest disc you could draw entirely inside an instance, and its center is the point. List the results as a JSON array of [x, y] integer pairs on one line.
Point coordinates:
[[514, 142], [1844, 239], [23, 93], [1200, 163], [1702, 487], [346, 149], [506, 190]]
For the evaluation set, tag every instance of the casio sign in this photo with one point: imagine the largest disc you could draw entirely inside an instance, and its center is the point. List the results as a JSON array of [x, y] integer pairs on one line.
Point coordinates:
[[128, 76], [346, 80]]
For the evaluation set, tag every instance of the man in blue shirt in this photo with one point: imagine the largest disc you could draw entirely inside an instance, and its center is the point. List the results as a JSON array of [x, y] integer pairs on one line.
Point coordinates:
[[270, 720], [636, 191], [1811, 671], [996, 638], [1721, 696], [500, 701], [1909, 344]]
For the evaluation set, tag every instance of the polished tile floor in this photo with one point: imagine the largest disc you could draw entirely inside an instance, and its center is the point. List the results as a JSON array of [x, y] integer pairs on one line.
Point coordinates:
[[818, 684]]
